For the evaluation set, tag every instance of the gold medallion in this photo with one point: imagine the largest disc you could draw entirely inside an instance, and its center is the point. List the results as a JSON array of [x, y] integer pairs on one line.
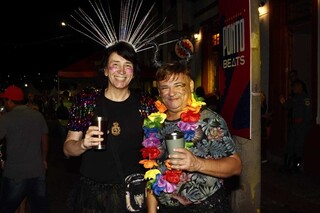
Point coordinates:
[[115, 129]]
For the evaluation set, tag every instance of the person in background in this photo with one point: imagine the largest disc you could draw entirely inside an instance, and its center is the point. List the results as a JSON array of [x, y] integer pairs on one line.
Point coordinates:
[[299, 124], [23, 206], [2, 141], [192, 179], [200, 92], [31, 102], [293, 76], [62, 114], [26, 134], [212, 101], [265, 127], [154, 92]]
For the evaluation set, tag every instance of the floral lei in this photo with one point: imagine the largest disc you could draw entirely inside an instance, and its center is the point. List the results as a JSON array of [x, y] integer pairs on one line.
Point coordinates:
[[166, 179]]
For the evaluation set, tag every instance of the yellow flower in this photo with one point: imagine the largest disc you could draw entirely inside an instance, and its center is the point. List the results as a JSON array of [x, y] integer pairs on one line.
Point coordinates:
[[195, 103], [151, 174], [157, 116]]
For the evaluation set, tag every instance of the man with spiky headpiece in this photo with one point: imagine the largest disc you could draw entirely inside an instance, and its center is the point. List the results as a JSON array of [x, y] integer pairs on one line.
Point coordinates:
[[101, 186]]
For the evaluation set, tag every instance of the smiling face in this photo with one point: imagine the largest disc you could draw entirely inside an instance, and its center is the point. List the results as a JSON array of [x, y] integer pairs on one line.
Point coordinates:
[[175, 92], [119, 71]]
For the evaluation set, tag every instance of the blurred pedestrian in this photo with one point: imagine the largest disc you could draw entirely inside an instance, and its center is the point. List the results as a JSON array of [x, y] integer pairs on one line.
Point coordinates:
[[299, 124], [31, 101], [26, 134], [62, 114], [200, 92], [293, 76], [212, 101]]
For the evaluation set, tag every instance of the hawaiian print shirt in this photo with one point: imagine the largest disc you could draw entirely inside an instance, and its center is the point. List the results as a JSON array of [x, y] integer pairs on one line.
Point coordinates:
[[211, 140]]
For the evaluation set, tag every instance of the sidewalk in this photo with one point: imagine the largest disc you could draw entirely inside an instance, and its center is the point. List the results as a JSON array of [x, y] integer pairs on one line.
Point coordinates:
[[287, 193]]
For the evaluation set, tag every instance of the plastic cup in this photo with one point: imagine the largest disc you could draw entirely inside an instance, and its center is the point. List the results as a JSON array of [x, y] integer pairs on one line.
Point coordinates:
[[174, 140]]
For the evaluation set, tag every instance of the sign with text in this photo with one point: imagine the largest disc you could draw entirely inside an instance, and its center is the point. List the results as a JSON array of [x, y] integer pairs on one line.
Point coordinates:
[[235, 65]]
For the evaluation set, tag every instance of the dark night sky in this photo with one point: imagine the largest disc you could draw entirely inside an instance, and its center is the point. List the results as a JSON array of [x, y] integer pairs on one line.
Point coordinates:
[[33, 41]]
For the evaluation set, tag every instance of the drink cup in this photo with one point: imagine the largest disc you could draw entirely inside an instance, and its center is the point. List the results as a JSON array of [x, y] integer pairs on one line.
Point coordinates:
[[102, 123], [174, 140]]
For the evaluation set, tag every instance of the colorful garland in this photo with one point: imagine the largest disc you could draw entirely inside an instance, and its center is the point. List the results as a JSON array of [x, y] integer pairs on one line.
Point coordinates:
[[166, 179]]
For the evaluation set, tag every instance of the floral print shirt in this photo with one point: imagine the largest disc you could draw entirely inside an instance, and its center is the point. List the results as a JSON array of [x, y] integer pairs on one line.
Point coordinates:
[[212, 140]]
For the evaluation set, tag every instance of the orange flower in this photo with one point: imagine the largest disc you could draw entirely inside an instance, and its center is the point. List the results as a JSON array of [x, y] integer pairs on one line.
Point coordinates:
[[160, 106], [148, 164], [168, 164]]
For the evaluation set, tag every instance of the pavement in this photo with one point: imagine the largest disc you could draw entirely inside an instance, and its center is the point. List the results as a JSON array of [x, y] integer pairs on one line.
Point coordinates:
[[280, 192], [288, 192]]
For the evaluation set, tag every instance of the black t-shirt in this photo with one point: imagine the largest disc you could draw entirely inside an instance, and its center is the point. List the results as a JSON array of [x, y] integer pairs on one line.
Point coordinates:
[[124, 116]]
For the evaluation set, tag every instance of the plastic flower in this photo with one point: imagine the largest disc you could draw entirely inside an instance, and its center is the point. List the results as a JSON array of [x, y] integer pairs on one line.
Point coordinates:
[[151, 174], [148, 131], [155, 120], [185, 126], [167, 163], [190, 116], [150, 152], [160, 106], [151, 141], [157, 117], [188, 135], [196, 102], [148, 164], [172, 176], [165, 185], [167, 179], [157, 189]]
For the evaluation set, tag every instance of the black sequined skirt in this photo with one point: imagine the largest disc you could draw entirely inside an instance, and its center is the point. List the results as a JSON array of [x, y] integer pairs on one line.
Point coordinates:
[[89, 196]]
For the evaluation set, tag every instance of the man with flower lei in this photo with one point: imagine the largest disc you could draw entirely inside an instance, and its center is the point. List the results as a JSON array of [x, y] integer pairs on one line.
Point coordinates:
[[192, 179]]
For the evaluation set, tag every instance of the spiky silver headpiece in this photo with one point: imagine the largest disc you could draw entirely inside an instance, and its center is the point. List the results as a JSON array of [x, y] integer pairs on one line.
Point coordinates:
[[139, 34]]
